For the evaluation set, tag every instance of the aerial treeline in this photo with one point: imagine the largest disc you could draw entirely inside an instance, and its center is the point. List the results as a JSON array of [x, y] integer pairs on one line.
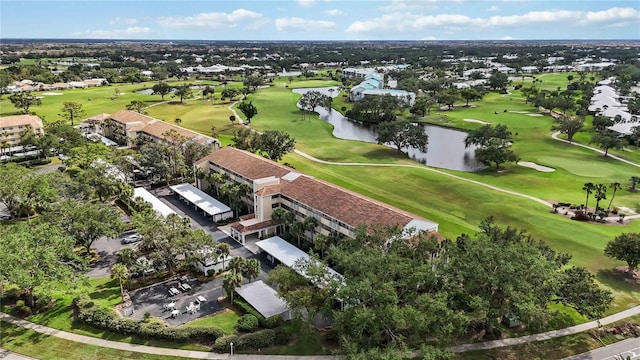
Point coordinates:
[[399, 290]]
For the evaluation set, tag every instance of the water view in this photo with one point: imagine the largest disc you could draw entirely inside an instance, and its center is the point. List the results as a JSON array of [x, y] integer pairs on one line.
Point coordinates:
[[446, 146]]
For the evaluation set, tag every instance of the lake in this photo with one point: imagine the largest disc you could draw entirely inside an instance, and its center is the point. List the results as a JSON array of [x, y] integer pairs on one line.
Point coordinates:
[[446, 146]]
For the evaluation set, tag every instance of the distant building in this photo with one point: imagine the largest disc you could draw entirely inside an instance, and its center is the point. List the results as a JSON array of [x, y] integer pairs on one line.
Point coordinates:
[[12, 128], [357, 73], [372, 85], [129, 127]]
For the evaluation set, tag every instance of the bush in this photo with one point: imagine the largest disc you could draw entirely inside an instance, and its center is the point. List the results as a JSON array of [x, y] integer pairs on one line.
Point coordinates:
[[247, 323], [272, 322], [282, 336], [88, 313], [211, 272], [256, 340], [22, 309], [247, 309], [10, 292]]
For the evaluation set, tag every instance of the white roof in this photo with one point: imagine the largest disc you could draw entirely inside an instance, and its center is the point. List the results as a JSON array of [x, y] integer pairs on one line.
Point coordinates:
[[160, 207], [290, 255], [200, 199], [263, 298]]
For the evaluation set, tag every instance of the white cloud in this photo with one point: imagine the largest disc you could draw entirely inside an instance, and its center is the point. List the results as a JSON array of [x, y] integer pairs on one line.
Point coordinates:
[[306, 3], [335, 12], [213, 20], [403, 5], [493, 8], [411, 21], [506, 38], [128, 33], [300, 24], [123, 20]]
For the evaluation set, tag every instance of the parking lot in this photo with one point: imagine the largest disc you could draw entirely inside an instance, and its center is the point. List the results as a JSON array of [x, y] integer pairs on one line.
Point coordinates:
[[155, 298]]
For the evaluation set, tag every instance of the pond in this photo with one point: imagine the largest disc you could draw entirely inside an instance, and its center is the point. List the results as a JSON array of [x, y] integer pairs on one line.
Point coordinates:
[[446, 146]]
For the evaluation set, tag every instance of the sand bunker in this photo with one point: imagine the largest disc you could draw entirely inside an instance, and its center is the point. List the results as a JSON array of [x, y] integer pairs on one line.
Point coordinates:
[[519, 112], [52, 93], [535, 166], [475, 121], [535, 115]]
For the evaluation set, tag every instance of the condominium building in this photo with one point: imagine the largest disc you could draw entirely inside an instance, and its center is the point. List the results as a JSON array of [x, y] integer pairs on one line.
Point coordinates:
[[128, 128], [336, 209], [12, 128]]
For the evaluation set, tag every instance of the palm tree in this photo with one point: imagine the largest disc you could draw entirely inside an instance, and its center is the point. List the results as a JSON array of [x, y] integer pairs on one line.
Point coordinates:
[[251, 269], [600, 193], [309, 224], [126, 256], [223, 249], [321, 243], [588, 187], [236, 264], [282, 217], [216, 179], [120, 272], [296, 230], [231, 281], [615, 186]]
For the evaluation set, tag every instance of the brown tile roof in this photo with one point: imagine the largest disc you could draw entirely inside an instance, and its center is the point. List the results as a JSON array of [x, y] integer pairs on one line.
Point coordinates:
[[351, 208], [269, 190], [245, 163], [127, 116], [251, 228], [99, 117], [158, 128], [17, 120]]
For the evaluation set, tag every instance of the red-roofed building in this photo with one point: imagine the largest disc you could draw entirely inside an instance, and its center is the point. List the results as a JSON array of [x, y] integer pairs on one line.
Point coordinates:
[[273, 185]]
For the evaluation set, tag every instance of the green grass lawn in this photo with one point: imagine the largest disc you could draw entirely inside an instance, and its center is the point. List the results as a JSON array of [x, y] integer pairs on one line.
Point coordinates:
[[101, 99], [45, 347], [226, 321], [105, 292]]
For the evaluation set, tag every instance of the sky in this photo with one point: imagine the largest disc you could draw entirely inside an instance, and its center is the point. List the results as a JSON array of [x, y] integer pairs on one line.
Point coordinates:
[[322, 19]]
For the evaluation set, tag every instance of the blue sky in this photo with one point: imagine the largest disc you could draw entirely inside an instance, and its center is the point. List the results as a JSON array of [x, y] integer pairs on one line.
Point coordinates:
[[322, 19]]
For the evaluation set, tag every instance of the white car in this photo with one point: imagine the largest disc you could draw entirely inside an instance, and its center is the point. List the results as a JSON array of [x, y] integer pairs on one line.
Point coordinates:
[[130, 239]]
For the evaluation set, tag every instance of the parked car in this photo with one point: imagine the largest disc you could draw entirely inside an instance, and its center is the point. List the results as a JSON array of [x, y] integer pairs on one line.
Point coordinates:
[[4, 217], [130, 239], [161, 267], [148, 271]]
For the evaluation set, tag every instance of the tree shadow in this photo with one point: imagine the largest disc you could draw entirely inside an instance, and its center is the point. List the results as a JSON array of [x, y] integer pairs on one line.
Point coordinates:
[[615, 280]]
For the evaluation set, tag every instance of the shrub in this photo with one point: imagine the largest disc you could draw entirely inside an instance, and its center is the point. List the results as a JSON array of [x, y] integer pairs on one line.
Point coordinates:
[[211, 272], [271, 322], [88, 313], [247, 323], [22, 309], [10, 292], [257, 340], [282, 336], [247, 309]]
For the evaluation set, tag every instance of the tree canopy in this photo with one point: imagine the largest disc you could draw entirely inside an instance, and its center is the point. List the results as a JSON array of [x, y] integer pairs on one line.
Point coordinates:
[[403, 134], [625, 247]]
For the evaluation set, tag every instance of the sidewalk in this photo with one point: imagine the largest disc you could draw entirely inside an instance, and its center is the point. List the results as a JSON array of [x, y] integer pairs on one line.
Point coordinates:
[[549, 334], [147, 349], [210, 355]]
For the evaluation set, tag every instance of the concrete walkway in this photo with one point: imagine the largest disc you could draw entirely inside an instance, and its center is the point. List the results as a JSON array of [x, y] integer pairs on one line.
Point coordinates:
[[144, 348], [549, 334], [210, 355], [555, 137], [8, 355]]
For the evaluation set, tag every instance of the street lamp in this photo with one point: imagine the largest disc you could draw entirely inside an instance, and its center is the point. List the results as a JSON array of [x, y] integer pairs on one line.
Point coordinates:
[[231, 345]]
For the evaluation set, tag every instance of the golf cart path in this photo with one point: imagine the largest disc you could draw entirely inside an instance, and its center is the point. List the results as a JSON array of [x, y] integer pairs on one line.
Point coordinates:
[[555, 137], [533, 198], [210, 355], [515, 193]]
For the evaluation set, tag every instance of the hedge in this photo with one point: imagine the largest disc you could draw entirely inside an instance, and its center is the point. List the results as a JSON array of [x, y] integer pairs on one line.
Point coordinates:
[[257, 340], [247, 323], [269, 323], [101, 317]]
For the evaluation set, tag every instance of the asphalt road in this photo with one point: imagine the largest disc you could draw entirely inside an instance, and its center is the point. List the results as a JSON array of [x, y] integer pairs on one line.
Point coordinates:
[[622, 350]]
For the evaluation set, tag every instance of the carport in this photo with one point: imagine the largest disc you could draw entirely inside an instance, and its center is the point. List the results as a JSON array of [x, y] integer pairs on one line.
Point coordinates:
[[157, 205], [202, 201], [264, 299]]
